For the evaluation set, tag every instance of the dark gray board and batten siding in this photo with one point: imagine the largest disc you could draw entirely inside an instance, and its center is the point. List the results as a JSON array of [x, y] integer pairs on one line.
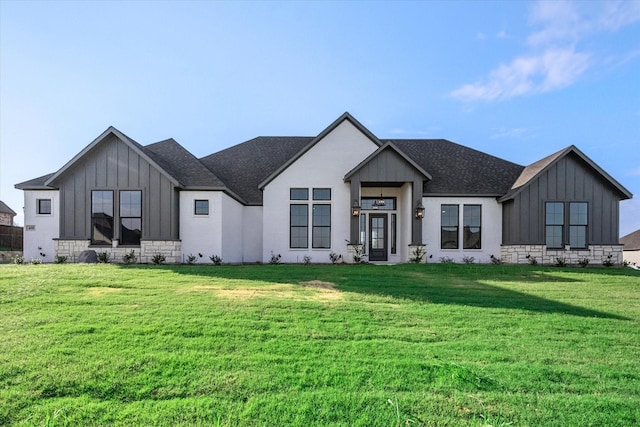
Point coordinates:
[[113, 165], [570, 179]]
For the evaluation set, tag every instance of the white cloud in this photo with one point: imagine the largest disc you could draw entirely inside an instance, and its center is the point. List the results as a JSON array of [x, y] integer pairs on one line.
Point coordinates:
[[554, 61]]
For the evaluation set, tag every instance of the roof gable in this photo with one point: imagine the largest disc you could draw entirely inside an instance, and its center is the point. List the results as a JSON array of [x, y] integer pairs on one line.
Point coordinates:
[[4, 208], [137, 148], [344, 117], [387, 147], [536, 169]]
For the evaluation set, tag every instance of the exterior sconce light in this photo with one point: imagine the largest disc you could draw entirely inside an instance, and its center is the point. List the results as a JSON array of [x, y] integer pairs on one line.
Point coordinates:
[[419, 211], [355, 209]]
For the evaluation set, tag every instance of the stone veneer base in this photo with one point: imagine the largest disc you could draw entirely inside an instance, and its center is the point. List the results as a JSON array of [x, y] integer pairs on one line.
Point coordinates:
[[596, 254], [171, 249]]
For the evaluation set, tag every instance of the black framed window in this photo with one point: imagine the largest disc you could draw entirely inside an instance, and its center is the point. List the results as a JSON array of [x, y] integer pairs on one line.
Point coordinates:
[[44, 207], [299, 194], [321, 232], [449, 227], [554, 224], [101, 217], [472, 227], [130, 217], [299, 226], [578, 223], [201, 207], [373, 203], [321, 194]]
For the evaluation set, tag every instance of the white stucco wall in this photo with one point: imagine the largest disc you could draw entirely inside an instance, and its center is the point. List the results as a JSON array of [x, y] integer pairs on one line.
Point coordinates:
[[40, 230], [323, 166], [491, 229], [252, 234], [201, 234], [232, 232]]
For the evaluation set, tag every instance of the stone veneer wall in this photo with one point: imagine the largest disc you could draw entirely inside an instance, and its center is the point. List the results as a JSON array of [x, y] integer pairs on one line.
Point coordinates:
[[171, 249], [596, 254]]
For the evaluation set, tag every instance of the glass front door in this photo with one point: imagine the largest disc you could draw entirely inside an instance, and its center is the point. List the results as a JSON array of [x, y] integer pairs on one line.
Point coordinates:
[[378, 237]]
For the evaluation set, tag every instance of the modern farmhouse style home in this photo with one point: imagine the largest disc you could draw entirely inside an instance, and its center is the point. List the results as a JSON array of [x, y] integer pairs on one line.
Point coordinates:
[[342, 190]]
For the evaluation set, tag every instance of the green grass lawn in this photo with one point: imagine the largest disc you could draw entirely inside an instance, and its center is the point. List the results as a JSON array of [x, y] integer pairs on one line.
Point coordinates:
[[434, 345]]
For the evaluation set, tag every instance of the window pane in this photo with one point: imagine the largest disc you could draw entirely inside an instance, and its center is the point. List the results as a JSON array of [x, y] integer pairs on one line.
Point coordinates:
[[299, 215], [578, 236], [555, 213], [321, 194], [201, 207], [449, 227], [370, 203], [393, 233], [130, 231], [322, 215], [44, 206], [101, 217], [471, 216], [363, 229], [554, 236], [130, 203], [472, 220], [578, 213], [449, 215], [299, 237], [299, 194], [321, 237]]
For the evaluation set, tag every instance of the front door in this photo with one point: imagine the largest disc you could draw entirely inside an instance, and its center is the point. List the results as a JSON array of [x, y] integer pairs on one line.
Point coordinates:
[[377, 237]]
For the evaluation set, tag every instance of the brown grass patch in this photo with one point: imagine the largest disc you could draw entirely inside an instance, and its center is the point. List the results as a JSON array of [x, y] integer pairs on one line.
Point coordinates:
[[102, 290], [321, 291]]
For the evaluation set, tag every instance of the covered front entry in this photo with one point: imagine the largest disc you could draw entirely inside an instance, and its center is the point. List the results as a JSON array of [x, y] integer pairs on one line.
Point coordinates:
[[378, 242]]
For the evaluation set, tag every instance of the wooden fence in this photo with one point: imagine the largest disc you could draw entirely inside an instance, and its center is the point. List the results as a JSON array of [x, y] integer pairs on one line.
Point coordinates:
[[10, 238]]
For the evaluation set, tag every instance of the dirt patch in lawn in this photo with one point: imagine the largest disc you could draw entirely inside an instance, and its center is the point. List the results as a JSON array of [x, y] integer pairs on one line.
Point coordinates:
[[321, 291], [101, 291]]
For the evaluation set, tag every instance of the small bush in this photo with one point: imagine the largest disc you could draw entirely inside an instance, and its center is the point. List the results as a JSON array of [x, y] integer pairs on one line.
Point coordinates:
[[191, 259], [275, 258], [306, 260], [608, 261], [103, 257], [561, 262], [446, 260], [215, 259], [417, 254], [495, 261], [129, 258], [60, 259], [19, 259], [334, 257], [358, 252], [158, 259], [35, 261], [468, 259], [532, 260], [583, 262]]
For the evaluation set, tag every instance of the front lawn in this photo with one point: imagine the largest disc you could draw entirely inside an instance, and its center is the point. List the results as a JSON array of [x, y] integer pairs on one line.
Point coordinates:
[[268, 345]]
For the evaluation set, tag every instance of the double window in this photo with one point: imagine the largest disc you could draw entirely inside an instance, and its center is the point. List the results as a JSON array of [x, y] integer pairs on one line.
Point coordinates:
[[320, 218], [555, 220], [102, 217], [471, 227]]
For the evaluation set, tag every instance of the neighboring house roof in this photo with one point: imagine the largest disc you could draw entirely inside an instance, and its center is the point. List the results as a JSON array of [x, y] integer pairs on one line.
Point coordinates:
[[244, 166], [6, 209], [534, 170], [459, 170], [631, 241]]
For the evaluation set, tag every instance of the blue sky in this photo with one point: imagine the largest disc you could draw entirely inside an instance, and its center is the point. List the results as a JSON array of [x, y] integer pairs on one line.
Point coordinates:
[[519, 80]]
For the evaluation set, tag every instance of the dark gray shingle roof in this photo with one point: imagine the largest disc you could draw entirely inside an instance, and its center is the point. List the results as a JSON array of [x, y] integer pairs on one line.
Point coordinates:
[[631, 241], [182, 165], [35, 183], [244, 166], [459, 170]]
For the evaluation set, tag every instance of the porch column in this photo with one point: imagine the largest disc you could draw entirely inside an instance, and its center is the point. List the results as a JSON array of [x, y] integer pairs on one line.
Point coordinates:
[[354, 235], [416, 223]]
